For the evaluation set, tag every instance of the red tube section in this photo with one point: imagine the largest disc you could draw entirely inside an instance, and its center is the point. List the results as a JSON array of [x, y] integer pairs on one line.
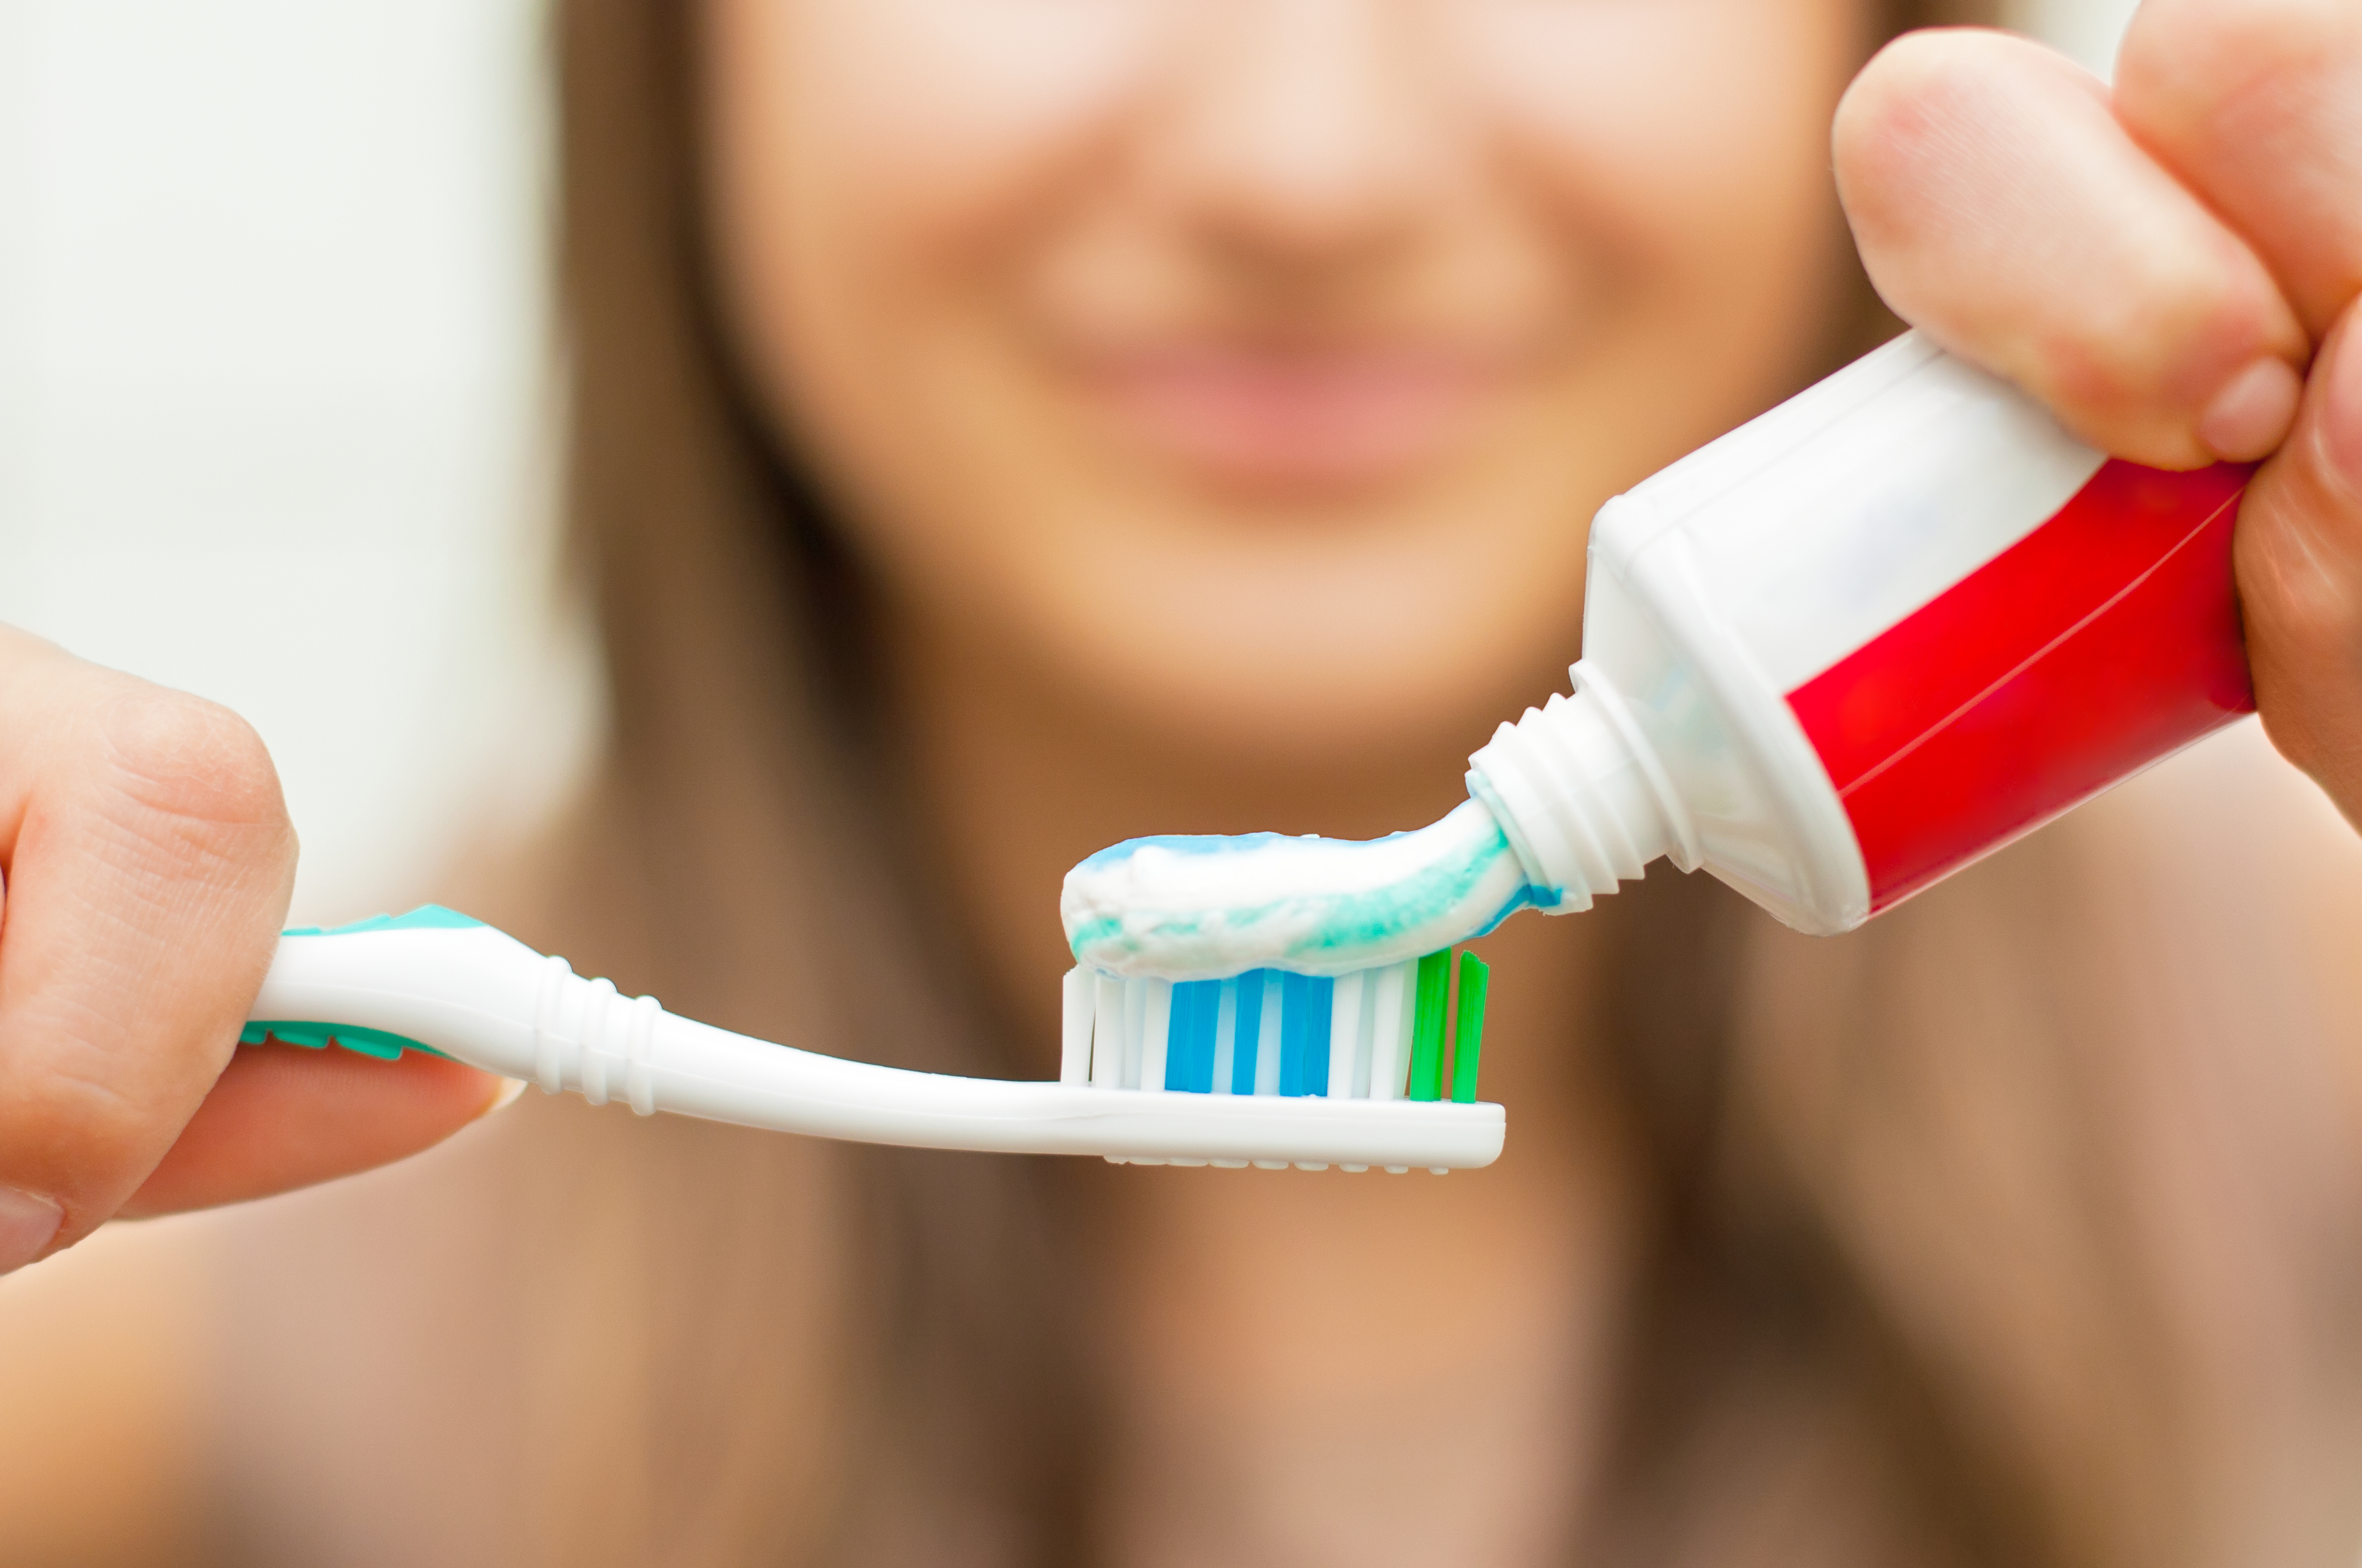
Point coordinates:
[[2101, 641]]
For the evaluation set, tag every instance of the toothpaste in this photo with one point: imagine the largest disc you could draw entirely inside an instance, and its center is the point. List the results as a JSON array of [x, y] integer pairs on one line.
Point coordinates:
[[1207, 907]]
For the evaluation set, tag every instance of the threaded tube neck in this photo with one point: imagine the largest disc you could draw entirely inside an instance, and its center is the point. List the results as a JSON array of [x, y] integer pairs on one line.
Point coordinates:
[[1580, 795]]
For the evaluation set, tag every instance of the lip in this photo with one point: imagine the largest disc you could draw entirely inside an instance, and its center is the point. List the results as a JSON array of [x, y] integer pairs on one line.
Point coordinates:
[[1296, 417]]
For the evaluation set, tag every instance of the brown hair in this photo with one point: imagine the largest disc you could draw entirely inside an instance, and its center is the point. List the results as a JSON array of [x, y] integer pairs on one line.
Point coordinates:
[[1789, 1390]]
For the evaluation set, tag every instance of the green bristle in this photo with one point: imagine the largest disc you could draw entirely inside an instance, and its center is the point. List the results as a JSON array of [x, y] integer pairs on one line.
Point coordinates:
[[1426, 1032], [1468, 1041]]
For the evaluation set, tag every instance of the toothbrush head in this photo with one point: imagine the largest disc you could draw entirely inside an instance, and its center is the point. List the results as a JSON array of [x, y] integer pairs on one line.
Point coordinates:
[[1352, 1068]]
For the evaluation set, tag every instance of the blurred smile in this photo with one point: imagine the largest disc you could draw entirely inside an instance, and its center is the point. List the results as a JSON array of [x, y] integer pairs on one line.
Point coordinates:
[[1318, 417]]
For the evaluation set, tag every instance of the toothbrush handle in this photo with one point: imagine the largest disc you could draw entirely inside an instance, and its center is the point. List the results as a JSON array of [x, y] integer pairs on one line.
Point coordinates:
[[428, 979]]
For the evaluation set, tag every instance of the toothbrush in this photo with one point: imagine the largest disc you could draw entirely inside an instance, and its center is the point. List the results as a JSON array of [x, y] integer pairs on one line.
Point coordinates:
[[1268, 1069]]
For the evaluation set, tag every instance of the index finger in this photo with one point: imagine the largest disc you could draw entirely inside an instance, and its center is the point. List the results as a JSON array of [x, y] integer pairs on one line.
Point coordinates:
[[2001, 206]]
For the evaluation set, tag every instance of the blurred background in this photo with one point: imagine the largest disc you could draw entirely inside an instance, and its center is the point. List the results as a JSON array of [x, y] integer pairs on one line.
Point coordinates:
[[271, 406], [273, 426]]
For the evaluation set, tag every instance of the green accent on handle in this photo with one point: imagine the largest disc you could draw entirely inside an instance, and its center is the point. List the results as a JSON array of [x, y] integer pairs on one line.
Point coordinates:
[[1427, 1026], [426, 917], [1468, 1043], [320, 1036]]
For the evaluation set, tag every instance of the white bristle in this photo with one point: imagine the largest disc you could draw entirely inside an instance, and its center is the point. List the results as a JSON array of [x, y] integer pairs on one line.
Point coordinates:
[[1390, 1009], [1106, 1032], [1406, 1029], [1156, 1032], [1344, 1034], [1365, 1037], [1135, 1020], [1075, 1041]]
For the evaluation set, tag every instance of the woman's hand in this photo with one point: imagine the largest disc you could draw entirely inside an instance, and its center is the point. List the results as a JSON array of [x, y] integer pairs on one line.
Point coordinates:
[[2173, 268], [148, 859]]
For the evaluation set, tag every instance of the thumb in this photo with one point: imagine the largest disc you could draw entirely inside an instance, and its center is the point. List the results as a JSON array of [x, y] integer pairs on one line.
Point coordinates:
[[2299, 570]]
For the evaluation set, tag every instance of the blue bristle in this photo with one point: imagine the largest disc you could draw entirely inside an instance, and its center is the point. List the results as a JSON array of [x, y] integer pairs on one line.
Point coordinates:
[[1316, 1057], [1190, 1053], [1177, 1038], [1249, 1033], [1304, 1001]]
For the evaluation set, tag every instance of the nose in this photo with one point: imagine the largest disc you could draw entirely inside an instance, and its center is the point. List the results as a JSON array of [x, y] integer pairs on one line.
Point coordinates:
[[1302, 136]]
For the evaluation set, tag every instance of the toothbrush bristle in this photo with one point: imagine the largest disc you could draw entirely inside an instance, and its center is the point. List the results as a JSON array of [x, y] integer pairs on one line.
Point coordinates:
[[1379, 1033]]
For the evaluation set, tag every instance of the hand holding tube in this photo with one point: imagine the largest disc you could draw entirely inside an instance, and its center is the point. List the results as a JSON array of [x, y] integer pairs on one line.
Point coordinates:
[[2172, 266]]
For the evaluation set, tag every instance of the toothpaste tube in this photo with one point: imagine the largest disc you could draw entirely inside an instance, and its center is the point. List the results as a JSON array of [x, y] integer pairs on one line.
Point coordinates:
[[1832, 658], [1866, 638]]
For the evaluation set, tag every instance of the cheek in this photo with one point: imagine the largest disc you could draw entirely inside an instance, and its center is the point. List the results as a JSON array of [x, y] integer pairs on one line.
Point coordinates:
[[868, 157], [1689, 142], [938, 116]]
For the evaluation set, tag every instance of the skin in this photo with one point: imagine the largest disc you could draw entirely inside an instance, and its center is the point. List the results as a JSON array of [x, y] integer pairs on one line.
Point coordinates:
[[1485, 264]]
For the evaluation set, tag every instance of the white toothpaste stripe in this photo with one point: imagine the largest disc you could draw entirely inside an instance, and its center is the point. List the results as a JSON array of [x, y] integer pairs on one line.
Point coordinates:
[[1209, 907]]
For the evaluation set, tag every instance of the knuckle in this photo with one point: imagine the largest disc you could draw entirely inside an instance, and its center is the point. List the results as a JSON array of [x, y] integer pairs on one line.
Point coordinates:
[[2110, 399], [83, 1118], [2139, 365], [94, 1126], [187, 759]]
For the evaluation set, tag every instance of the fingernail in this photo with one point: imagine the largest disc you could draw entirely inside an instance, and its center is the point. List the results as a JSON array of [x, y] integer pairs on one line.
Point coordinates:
[[509, 1091], [26, 1225], [2251, 415]]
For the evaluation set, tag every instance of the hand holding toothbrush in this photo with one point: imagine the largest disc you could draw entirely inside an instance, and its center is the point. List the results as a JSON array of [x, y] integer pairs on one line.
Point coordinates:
[[2173, 266], [148, 860]]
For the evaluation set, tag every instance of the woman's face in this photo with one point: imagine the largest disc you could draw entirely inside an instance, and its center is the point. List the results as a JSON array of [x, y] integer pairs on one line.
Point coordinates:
[[1255, 366]]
